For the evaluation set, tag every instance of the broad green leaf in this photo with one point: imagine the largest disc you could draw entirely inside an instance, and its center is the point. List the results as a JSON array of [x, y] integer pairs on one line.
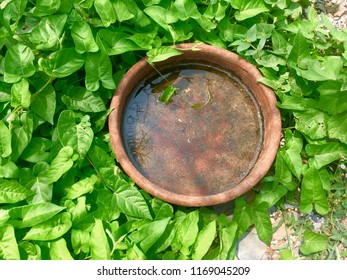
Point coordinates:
[[328, 68], [162, 16], [242, 216], [121, 10], [216, 10], [99, 247], [300, 49], [313, 243], [286, 254], [204, 241], [270, 195], [161, 209], [30, 215], [231, 31], [186, 9], [60, 164], [107, 205], [51, 229], [283, 173], [42, 188], [249, 9], [79, 98], [291, 154], [312, 123], [326, 153], [312, 193], [332, 98], [106, 12], [337, 127], [75, 131], [81, 187], [20, 94], [37, 150], [83, 37], [80, 241], [59, 251], [227, 240], [12, 191], [131, 202], [294, 103], [5, 140], [106, 168], [30, 251], [147, 235], [8, 243], [18, 63], [260, 214], [115, 42], [21, 132], [62, 63], [99, 69], [279, 43], [43, 103], [47, 33], [186, 233], [78, 209], [168, 92], [162, 53], [46, 7], [3, 216], [8, 169]]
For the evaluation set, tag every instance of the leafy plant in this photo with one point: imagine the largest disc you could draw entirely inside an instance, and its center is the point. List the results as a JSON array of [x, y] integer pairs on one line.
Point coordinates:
[[62, 193]]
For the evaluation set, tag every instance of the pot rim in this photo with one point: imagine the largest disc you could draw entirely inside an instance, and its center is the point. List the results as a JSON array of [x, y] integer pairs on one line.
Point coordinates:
[[249, 74]]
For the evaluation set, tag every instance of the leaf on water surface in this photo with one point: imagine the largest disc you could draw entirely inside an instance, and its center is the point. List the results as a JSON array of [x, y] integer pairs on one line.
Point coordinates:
[[167, 94]]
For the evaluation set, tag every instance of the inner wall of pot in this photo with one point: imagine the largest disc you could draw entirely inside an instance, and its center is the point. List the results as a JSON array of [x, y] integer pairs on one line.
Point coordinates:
[[205, 140]]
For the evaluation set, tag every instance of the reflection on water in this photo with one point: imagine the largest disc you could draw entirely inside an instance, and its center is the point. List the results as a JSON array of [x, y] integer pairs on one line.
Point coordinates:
[[205, 140]]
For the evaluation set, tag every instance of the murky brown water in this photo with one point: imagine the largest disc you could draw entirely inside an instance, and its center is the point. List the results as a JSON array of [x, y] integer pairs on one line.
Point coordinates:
[[205, 140]]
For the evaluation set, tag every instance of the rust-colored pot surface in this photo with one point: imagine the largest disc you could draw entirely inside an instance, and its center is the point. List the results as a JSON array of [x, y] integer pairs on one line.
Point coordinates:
[[214, 138]]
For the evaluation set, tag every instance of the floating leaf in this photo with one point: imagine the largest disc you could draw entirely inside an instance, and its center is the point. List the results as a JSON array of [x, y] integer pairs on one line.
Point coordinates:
[[167, 94]]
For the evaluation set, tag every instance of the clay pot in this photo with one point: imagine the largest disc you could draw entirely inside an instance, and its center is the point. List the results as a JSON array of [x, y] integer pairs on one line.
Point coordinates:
[[270, 123]]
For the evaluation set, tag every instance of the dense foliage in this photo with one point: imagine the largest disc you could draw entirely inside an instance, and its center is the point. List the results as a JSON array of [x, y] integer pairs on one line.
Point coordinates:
[[62, 194]]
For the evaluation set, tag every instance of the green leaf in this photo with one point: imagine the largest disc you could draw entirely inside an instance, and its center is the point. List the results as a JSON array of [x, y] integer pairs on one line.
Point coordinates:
[[312, 193], [131, 202], [83, 37], [5, 140], [106, 12], [60, 164], [42, 188], [291, 155], [300, 49], [99, 248], [62, 63], [12, 191], [30, 215], [162, 16], [227, 237], [8, 169], [249, 9], [99, 69], [47, 33], [286, 254], [82, 187], [121, 10], [162, 53], [313, 243], [59, 251], [115, 42], [37, 150], [75, 131], [326, 153], [279, 43], [270, 195], [22, 129], [20, 94], [186, 232], [79, 98], [260, 214], [242, 216], [329, 68], [186, 9], [312, 123], [18, 63], [147, 235], [332, 98], [51, 229], [168, 92], [204, 241], [43, 103], [46, 7], [8, 243], [337, 127]]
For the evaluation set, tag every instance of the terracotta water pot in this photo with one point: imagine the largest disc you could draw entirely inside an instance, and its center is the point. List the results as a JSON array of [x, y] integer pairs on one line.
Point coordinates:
[[205, 152]]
